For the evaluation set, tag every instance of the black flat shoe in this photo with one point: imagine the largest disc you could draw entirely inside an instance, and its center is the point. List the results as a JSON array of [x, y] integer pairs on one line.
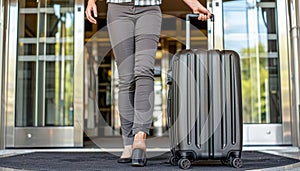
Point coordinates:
[[124, 160], [139, 158]]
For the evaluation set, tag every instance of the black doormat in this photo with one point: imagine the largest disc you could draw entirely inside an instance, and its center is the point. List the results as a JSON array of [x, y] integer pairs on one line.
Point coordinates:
[[106, 161]]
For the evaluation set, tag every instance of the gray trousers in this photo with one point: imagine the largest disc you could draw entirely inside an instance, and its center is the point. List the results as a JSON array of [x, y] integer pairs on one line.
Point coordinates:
[[134, 33]]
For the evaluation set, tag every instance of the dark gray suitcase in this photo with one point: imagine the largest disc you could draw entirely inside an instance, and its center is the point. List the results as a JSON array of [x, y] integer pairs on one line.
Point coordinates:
[[205, 107]]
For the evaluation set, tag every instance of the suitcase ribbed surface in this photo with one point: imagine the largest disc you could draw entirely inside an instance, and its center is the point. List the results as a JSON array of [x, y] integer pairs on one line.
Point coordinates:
[[205, 104]]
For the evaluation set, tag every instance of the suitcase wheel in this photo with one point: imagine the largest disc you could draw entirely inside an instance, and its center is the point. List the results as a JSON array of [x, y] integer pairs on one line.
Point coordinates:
[[173, 160], [184, 163], [236, 163]]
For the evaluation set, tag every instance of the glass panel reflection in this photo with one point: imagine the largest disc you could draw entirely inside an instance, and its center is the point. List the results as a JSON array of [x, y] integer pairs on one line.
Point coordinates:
[[45, 64], [250, 28]]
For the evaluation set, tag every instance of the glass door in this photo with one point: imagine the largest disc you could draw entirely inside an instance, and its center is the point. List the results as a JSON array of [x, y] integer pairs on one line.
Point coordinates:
[[251, 28], [48, 105]]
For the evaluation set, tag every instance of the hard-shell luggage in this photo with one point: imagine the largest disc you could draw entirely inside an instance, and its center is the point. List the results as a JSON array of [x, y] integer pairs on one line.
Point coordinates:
[[205, 107]]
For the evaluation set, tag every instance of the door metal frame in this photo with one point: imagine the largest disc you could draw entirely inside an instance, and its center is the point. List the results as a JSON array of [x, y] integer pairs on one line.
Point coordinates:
[[285, 80], [79, 73], [10, 72], [44, 136], [1, 56], [215, 29], [2, 66], [294, 28]]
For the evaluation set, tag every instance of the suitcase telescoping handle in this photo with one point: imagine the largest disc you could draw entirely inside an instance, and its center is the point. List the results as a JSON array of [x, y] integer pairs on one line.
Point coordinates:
[[188, 28]]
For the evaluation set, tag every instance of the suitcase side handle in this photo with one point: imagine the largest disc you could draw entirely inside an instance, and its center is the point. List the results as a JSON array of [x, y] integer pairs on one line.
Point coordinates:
[[169, 106], [188, 28]]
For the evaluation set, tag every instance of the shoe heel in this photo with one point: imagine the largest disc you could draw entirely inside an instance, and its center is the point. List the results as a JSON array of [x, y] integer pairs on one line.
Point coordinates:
[[139, 158]]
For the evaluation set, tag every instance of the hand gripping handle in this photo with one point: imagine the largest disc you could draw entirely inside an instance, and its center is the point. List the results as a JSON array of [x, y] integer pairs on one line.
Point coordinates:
[[188, 28]]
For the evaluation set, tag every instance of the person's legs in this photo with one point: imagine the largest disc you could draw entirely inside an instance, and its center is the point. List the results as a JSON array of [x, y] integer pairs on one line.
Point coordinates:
[[147, 32], [134, 34], [121, 32]]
